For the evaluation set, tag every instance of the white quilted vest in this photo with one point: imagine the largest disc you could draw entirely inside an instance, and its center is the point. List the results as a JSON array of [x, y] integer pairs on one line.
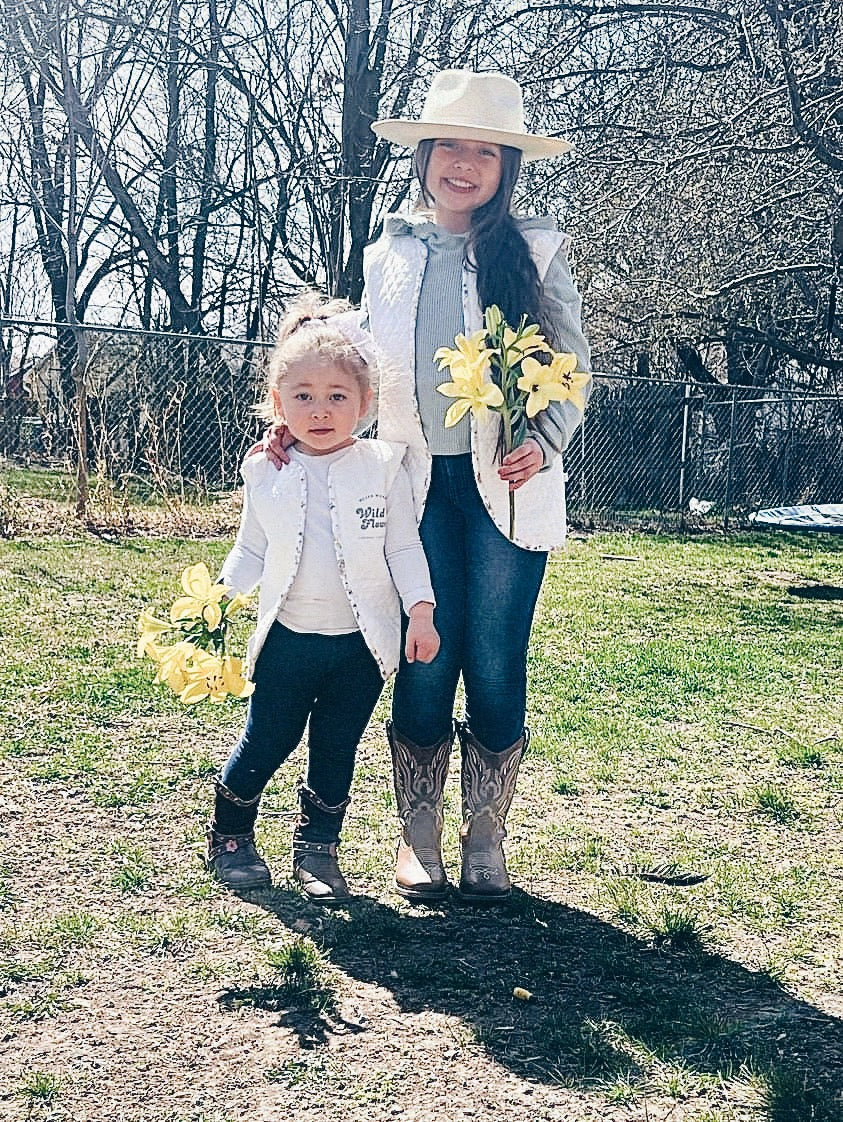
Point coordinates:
[[393, 268], [274, 515]]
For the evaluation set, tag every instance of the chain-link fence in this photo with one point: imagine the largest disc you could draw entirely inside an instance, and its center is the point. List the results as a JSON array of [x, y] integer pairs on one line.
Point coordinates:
[[655, 450], [172, 410]]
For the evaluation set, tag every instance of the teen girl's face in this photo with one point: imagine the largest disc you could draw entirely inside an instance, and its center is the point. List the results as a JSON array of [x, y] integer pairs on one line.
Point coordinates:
[[462, 175], [321, 404]]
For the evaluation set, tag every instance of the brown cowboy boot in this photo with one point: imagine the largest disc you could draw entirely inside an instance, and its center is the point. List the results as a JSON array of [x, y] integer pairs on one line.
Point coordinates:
[[315, 864], [231, 856], [488, 785], [419, 775], [235, 862]]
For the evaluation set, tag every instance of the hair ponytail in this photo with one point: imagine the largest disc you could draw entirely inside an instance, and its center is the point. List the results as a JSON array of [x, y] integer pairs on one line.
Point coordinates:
[[309, 307], [314, 328]]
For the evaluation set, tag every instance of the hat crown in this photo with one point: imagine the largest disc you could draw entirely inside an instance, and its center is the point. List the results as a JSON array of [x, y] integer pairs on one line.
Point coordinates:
[[470, 100], [465, 105]]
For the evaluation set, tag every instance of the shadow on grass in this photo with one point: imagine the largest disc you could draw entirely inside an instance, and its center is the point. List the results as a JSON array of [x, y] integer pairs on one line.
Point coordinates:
[[310, 1013], [816, 591], [604, 1002]]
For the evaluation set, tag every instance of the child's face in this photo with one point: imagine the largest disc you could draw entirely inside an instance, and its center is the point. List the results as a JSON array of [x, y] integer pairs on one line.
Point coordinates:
[[461, 176], [321, 404]]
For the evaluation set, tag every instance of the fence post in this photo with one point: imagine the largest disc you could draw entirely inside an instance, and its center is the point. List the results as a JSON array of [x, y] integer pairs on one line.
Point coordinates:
[[785, 480], [732, 422], [683, 458], [582, 461], [80, 378]]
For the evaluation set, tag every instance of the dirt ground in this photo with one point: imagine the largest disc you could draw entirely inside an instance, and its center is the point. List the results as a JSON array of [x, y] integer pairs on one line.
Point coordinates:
[[162, 1004]]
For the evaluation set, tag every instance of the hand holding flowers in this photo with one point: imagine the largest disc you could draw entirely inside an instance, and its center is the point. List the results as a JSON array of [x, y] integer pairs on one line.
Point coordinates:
[[197, 665], [512, 372]]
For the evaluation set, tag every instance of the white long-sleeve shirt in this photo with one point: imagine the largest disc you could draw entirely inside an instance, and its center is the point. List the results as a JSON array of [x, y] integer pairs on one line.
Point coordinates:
[[317, 600]]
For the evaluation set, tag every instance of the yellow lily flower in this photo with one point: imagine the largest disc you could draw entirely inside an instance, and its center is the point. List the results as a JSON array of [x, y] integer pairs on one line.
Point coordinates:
[[202, 599], [149, 628], [153, 650], [235, 604], [560, 381], [232, 675], [214, 678], [472, 393], [470, 355], [198, 665], [529, 343], [174, 665], [493, 318]]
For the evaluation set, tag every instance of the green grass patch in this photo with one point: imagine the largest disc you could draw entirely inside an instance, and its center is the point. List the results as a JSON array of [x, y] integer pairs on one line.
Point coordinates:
[[40, 1087], [674, 840]]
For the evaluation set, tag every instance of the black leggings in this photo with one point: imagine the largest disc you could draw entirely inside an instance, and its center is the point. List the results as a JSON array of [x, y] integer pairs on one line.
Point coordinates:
[[332, 680]]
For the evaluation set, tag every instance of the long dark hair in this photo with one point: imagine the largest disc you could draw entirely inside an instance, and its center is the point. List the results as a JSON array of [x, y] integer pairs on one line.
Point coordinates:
[[496, 250]]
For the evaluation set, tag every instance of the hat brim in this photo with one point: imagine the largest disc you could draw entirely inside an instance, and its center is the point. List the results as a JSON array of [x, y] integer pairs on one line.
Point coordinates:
[[411, 132]]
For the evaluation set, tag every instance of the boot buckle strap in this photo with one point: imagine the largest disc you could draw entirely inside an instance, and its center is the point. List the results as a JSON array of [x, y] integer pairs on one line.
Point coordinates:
[[228, 794], [227, 843], [301, 847]]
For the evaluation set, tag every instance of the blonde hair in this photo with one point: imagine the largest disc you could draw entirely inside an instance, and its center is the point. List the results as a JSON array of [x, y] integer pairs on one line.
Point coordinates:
[[307, 330]]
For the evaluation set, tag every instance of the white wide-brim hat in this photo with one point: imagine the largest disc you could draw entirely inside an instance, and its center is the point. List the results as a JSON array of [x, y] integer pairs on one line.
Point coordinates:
[[465, 105]]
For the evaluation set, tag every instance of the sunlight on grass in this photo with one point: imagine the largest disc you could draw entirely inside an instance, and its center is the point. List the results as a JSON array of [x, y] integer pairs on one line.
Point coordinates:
[[134, 867], [775, 803], [73, 929], [177, 934], [301, 973], [40, 1087], [674, 842]]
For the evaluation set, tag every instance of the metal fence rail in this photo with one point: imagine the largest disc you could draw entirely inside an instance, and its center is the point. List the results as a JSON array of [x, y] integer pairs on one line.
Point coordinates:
[[173, 409]]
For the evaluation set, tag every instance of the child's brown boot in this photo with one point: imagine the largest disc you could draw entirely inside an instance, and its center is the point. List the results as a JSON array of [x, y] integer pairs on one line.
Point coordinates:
[[235, 862], [315, 864]]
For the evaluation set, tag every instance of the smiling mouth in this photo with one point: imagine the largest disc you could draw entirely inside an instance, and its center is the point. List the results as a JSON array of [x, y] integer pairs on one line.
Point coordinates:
[[460, 185]]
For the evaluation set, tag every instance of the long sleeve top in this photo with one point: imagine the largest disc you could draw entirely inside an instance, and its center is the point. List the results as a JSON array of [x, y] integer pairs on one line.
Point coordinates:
[[317, 600], [440, 318]]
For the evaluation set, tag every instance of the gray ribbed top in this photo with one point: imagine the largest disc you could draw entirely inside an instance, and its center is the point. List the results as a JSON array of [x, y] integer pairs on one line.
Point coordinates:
[[440, 319]]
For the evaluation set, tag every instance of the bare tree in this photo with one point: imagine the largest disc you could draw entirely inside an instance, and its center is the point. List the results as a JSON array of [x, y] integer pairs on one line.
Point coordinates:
[[705, 182], [232, 158]]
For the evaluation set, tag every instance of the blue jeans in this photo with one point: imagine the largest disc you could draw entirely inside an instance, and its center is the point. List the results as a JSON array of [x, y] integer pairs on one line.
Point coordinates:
[[486, 590], [331, 679]]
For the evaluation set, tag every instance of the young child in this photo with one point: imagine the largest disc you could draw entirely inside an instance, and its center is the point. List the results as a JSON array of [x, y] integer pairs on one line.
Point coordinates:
[[332, 541]]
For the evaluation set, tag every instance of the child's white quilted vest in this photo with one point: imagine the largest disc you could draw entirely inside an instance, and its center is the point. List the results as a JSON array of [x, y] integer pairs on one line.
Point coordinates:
[[274, 515]]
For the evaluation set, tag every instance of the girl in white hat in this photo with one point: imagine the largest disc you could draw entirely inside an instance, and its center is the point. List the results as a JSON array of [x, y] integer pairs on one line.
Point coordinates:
[[428, 278]]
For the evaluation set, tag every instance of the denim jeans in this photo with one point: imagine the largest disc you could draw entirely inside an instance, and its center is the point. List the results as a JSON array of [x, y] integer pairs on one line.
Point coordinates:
[[331, 679], [486, 590]]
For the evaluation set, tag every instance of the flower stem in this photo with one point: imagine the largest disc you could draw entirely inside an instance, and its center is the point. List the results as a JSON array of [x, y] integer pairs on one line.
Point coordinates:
[[507, 444]]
